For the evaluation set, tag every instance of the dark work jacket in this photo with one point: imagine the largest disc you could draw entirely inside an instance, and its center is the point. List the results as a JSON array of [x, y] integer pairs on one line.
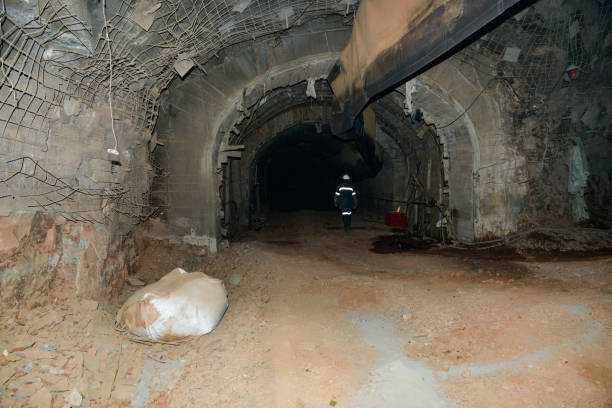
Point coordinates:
[[346, 196]]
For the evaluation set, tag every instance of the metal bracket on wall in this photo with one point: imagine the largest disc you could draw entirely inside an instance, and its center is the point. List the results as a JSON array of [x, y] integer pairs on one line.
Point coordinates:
[[230, 151]]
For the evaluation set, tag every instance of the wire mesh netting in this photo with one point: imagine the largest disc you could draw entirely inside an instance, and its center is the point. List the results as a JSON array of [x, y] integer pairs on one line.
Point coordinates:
[[58, 53], [538, 44], [551, 60]]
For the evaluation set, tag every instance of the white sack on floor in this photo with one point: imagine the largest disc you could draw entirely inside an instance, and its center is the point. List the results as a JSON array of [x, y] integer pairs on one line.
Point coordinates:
[[180, 304]]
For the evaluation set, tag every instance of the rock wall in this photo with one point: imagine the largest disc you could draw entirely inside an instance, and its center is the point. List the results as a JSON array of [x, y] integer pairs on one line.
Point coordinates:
[[71, 173], [538, 151], [66, 207], [40, 254], [66, 203], [560, 121], [575, 121]]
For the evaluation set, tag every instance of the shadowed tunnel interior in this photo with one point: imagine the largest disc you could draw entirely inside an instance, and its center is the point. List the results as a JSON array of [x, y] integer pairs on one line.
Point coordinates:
[[299, 169], [291, 161]]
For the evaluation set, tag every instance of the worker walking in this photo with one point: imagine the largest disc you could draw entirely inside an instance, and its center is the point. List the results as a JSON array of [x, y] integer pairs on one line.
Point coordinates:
[[346, 200]]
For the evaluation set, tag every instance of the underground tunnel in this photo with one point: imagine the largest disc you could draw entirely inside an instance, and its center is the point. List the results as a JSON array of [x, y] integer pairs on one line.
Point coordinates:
[[170, 227], [295, 171]]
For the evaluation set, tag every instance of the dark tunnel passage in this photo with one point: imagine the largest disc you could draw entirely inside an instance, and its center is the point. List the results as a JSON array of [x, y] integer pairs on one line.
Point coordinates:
[[292, 162], [300, 167]]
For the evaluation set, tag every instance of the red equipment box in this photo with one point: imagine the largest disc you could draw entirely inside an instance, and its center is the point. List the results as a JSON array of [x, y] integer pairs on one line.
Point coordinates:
[[396, 219]]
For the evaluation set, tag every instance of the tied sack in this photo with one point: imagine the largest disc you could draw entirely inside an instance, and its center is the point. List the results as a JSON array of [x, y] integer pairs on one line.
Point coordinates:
[[179, 305]]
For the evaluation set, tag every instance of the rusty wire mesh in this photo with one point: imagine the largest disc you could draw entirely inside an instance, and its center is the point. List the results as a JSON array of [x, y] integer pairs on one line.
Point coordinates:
[[59, 53], [536, 46]]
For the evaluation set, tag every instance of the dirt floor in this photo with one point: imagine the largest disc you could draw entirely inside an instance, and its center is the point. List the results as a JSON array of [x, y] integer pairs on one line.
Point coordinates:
[[318, 319]]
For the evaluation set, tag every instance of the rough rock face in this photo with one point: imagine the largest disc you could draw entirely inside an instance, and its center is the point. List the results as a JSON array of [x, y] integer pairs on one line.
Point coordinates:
[[39, 252]]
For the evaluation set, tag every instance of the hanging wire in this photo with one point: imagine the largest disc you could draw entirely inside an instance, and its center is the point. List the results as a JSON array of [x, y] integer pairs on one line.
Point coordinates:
[[110, 79]]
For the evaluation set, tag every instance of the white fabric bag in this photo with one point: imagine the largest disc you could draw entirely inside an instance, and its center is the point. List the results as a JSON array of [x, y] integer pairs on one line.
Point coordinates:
[[179, 305]]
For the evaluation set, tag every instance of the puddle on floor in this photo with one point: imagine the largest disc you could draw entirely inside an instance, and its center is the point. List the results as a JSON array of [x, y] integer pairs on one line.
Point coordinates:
[[282, 243], [396, 380], [155, 374], [388, 244]]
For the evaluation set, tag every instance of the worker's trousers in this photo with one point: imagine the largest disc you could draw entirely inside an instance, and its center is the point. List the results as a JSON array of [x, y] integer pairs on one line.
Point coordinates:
[[346, 218]]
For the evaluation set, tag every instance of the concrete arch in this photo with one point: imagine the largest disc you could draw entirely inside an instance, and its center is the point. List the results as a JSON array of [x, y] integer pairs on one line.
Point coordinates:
[[266, 124], [479, 148], [238, 177], [199, 112], [238, 83], [461, 148]]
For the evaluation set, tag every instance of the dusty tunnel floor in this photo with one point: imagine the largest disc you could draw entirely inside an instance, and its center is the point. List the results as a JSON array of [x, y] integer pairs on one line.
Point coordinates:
[[319, 320]]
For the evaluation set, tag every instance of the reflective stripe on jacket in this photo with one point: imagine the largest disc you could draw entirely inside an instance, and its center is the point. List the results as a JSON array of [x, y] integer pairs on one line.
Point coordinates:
[[345, 196]]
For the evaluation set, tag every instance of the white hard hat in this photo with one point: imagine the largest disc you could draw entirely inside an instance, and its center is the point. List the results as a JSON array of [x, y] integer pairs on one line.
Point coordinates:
[[346, 177]]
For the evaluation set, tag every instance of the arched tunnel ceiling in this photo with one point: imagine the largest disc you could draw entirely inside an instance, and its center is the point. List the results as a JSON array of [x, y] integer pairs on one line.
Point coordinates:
[[146, 43], [289, 115], [389, 116]]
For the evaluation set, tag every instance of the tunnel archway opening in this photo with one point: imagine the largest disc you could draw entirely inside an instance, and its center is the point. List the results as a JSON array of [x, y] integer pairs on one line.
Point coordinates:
[[293, 162], [299, 169]]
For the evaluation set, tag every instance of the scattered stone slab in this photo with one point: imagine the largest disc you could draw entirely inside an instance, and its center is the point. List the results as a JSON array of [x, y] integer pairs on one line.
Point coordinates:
[[124, 392], [76, 364], [57, 383], [27, 391], [48, 321], [54, 370], [89, 304], [6, 373], [41, 399], [91, 363], [74, 398], [22, 345], [235, 279], [133, 281], [35, 354]]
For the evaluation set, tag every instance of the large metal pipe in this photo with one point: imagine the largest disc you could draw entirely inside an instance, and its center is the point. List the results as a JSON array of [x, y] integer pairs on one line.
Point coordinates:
[[393, 40]]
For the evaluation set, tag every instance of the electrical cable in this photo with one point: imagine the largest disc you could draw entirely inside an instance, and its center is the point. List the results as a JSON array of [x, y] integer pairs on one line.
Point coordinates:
[[466, 110], [110, 80], [493, 243]]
